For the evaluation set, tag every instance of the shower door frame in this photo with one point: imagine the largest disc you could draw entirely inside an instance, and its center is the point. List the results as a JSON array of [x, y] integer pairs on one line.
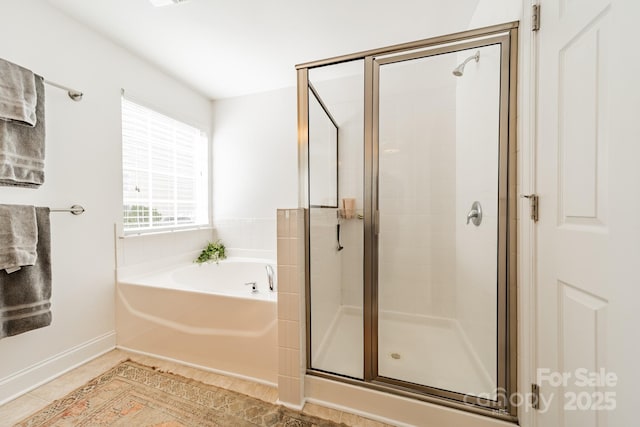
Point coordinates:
[[505, 35]]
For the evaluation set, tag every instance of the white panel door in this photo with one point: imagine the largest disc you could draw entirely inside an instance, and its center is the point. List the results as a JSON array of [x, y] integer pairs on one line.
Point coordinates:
[[588, 306]]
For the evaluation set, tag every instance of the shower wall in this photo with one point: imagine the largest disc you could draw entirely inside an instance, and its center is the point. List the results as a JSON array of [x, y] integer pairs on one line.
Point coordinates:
[[477, 176], [417, 213], [347, 99], [428, 288], [427, 265], [337, 275], [325, 274]]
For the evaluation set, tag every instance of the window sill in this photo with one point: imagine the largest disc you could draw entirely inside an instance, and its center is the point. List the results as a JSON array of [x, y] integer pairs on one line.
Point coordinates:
[[161, 232]]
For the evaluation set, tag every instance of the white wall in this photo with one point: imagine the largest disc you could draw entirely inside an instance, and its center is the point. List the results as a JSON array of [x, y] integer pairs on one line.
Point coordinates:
[[493, 12], [82, 166], [255, 168]]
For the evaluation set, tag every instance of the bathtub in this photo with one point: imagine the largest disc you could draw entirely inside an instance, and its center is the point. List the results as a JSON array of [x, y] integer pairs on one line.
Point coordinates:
[[204, 316]]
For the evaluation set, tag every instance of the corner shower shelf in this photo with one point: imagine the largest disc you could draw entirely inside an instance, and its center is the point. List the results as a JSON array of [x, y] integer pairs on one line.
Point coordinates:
[[357, 215]]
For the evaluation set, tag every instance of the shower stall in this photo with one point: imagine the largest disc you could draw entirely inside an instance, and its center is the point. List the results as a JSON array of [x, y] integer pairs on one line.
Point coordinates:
[[407, 177]]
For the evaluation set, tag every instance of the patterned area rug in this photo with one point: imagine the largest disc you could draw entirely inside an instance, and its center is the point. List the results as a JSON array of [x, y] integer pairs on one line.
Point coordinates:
[[131, 394]]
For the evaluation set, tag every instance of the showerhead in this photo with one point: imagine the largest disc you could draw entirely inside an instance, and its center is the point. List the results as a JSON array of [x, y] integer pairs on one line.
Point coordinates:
[[459, 70]]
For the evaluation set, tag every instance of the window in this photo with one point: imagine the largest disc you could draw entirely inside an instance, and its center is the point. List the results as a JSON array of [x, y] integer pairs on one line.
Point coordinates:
[[164, 172]]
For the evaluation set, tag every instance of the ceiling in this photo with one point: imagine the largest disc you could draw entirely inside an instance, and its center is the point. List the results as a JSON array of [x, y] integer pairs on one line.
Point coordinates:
[[225, 48]]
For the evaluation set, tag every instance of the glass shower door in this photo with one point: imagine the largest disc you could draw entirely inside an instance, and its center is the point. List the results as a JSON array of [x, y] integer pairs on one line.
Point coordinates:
[[410, 247], [438, 160], [335, 174]]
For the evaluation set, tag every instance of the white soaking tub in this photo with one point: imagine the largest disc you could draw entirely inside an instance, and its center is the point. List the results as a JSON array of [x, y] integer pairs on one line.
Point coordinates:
[[204, 315]]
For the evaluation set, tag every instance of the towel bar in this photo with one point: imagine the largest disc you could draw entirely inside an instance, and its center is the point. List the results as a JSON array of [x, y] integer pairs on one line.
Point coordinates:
[[76, 95], [75, 210]]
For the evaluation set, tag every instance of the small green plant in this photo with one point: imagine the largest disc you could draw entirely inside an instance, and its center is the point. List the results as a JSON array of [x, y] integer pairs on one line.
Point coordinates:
[[212, 252]]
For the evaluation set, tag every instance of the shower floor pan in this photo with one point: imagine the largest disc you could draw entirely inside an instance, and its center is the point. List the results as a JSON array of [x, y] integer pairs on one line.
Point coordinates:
[[420, 349]]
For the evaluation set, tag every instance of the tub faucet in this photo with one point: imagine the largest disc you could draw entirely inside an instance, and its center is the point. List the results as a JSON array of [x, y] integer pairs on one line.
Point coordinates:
[[270, 276], [254, 287]]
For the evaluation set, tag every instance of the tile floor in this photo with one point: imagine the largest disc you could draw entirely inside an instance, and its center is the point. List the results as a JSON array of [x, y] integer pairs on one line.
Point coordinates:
[[17, 409]]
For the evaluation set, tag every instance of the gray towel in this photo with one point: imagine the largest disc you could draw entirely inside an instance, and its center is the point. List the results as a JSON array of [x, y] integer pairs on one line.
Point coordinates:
[[25, 294], [18, 236], [18, 96], [22, 148]]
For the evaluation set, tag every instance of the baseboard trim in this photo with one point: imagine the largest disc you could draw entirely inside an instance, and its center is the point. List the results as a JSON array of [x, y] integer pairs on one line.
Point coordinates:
[[34, 376], [291, 405], [202, 368], [357, 412], [389, 408]]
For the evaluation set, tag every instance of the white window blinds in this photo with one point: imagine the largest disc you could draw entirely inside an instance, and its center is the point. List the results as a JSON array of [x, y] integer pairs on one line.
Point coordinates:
[[164, 171]]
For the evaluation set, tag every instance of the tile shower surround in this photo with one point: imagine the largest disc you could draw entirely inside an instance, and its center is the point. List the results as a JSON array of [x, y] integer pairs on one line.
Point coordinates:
[[291, 350]]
